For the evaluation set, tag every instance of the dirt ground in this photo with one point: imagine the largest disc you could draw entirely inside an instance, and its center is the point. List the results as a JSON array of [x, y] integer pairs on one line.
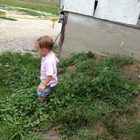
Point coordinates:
[[20, 35], [51, 135], [133, 70]]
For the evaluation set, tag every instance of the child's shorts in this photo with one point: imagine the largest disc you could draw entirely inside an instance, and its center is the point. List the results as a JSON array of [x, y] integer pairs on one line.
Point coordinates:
[[46, 91]]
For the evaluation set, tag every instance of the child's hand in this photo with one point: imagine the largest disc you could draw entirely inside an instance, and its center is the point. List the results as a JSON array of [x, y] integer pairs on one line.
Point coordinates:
[[41, 88]]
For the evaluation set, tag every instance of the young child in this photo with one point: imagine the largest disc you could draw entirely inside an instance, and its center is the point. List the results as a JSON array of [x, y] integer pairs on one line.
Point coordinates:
[[48, 69]]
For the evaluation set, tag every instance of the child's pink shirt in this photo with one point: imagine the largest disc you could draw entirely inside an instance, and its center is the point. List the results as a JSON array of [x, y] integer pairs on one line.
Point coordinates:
[[48, 68]]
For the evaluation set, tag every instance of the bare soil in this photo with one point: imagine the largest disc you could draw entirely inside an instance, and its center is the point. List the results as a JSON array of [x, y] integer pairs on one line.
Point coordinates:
[[51, 135], [20, 35], [133, 70]]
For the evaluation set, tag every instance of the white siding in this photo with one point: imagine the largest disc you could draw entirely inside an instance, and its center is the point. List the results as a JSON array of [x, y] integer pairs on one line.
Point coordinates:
[[85, 7], [123, 11]]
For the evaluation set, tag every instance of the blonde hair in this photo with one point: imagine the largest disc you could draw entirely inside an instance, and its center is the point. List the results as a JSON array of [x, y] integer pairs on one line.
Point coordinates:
[[45, 42]]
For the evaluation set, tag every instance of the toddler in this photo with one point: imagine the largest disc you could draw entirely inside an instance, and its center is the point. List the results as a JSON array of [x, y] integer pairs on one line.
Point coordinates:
[[48, 71]]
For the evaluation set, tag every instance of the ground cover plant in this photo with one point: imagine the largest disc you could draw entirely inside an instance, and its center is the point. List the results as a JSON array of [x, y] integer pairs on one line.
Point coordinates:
[[47, 6], [2, 16], [7, 18], [23, 11], [94, 100], [39, 9]]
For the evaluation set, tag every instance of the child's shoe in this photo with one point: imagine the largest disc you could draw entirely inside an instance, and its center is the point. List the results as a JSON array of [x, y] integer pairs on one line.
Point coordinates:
[[41, 99]]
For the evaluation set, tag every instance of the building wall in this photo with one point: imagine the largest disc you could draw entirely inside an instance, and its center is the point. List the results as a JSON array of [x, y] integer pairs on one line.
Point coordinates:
[[84, 33], [83, 7], [122, 11]]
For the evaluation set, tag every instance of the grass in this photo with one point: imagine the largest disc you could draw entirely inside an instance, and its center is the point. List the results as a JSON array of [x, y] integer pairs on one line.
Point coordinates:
[[24, 11], [2, 13], [92, 99], [32, 13], [7, 18], [2, 16], [41, 5]]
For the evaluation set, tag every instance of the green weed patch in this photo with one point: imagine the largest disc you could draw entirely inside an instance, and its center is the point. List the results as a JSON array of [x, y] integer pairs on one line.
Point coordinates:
[[6, 18], [2, 13], [90, 96], [41, 5]]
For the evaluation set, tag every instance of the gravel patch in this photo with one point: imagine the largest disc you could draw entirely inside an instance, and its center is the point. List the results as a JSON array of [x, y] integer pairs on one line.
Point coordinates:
[[20, 35]]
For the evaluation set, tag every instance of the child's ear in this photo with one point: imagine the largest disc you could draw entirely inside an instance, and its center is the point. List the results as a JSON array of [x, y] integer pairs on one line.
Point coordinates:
[[44, 49]]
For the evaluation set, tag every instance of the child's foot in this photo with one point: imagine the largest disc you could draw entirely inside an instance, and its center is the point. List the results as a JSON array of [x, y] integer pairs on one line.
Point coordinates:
[[41, 99]]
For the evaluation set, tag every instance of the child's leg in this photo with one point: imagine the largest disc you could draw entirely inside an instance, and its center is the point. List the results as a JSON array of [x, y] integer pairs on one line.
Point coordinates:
[[41, 99], [43, 95]]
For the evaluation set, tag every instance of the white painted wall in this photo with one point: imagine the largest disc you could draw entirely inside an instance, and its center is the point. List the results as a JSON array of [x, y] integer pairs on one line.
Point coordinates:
[[85, 7], [123, 11]]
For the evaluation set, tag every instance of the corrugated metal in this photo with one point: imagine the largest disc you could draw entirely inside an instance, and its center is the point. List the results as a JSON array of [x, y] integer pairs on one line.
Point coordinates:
[[85, 7], [124, 11]]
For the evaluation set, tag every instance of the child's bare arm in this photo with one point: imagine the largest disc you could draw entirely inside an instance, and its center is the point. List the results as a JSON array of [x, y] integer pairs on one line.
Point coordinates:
[[43, 85]]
